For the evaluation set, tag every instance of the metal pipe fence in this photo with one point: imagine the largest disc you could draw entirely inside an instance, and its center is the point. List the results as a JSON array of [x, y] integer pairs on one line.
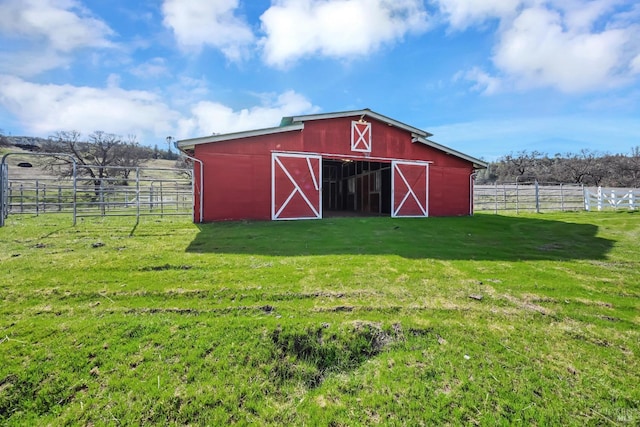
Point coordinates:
[[544, 197], [118, 191], [528, 197]]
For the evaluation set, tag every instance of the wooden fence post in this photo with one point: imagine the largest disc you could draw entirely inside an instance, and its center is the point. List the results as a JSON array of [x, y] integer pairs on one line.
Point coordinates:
[[599, 198], [612, 201]]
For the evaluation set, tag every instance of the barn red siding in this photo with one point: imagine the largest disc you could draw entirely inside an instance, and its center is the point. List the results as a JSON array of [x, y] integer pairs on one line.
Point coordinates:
[[237, 173], [449, 190]]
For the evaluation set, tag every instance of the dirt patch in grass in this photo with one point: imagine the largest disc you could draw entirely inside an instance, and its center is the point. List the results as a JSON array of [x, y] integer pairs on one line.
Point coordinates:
[[593, 302], [527, 304], [310, 354], [265, 309], [166, 267]]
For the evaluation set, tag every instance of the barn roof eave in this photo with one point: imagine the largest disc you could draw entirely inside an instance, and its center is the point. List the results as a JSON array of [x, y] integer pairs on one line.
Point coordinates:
[[189, 144], [364, 112], [477, 163]]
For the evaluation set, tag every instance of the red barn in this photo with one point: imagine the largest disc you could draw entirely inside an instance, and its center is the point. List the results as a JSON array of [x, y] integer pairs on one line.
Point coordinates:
[[313, 166]]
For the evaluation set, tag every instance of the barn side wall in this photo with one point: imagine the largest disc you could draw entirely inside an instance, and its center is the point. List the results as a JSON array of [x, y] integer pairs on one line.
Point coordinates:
[[449, 191], [237, 173]]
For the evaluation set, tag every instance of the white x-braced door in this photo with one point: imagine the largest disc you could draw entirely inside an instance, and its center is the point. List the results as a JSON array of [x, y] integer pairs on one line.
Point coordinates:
[[409, 189], [296, 186]]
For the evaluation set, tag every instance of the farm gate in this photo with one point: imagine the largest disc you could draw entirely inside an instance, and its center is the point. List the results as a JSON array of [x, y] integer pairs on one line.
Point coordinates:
[[93, 191]]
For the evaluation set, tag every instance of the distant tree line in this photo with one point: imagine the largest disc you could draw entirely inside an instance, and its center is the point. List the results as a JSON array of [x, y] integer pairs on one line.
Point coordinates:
[[4, 141], [585, 167], [36, 144]]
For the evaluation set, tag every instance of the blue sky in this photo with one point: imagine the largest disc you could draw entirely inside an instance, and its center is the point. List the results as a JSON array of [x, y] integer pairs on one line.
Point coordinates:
[[486, 77]]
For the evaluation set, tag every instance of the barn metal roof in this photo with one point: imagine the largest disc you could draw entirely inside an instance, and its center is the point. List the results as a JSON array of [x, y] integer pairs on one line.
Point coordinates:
[[189, 144], [294, 123], [362, 113], [477, 163]]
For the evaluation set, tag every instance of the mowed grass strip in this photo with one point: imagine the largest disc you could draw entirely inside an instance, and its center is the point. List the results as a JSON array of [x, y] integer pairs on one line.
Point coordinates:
[[488, 320]]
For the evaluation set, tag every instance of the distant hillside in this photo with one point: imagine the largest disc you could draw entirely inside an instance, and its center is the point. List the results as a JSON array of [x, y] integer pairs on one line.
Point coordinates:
[[34, 143], [29, 143]]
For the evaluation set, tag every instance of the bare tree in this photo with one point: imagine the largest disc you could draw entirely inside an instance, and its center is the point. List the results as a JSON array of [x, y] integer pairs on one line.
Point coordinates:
[[185, 167], [129, 155], [488, 175], [94, 156], [580, 168], [523, 164]]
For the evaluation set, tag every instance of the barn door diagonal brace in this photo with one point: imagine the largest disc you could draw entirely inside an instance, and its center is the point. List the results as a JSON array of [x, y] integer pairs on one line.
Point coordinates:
[[297, 188], [411, 193]]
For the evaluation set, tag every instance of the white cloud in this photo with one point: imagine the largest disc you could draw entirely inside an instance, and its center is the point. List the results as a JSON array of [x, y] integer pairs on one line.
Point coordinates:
[[635, 65], [541, 49], [46, 108], [64, 25], [580, 15], [211, 117], [570, 45], [482, 82], [155, 67], [197, 23], [186, 91], [29, 63], [461, 14], [43, 109], [336, 28], [52, 30]]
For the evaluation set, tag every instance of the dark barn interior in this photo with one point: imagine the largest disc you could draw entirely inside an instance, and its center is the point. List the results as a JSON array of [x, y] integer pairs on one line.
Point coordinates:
[[351, 187]]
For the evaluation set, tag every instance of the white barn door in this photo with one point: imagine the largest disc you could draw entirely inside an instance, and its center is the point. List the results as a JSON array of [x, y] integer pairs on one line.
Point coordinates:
[[409, 189], [296, 186]]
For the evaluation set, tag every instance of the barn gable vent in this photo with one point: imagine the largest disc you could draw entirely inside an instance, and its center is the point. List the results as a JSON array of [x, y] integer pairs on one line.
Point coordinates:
[[361, 136]]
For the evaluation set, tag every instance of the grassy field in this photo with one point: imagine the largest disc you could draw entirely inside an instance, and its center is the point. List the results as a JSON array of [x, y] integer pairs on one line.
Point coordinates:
[[487, 320]]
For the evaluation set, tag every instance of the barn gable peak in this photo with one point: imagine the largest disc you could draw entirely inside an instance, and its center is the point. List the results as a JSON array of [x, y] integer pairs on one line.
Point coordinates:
[[366, 112]]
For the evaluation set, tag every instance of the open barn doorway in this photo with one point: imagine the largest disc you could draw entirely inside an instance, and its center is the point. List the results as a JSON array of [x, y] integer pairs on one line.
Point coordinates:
[[355, 188]]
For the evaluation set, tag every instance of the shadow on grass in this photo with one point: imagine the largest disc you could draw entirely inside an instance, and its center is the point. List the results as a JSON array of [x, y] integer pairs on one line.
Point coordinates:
[[482, 237]]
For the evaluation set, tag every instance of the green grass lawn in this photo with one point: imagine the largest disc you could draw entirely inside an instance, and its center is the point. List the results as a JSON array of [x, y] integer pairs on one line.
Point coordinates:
[[487, 320]]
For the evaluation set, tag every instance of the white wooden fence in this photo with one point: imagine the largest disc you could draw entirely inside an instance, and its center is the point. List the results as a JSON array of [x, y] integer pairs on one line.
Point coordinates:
[[611, 198]]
